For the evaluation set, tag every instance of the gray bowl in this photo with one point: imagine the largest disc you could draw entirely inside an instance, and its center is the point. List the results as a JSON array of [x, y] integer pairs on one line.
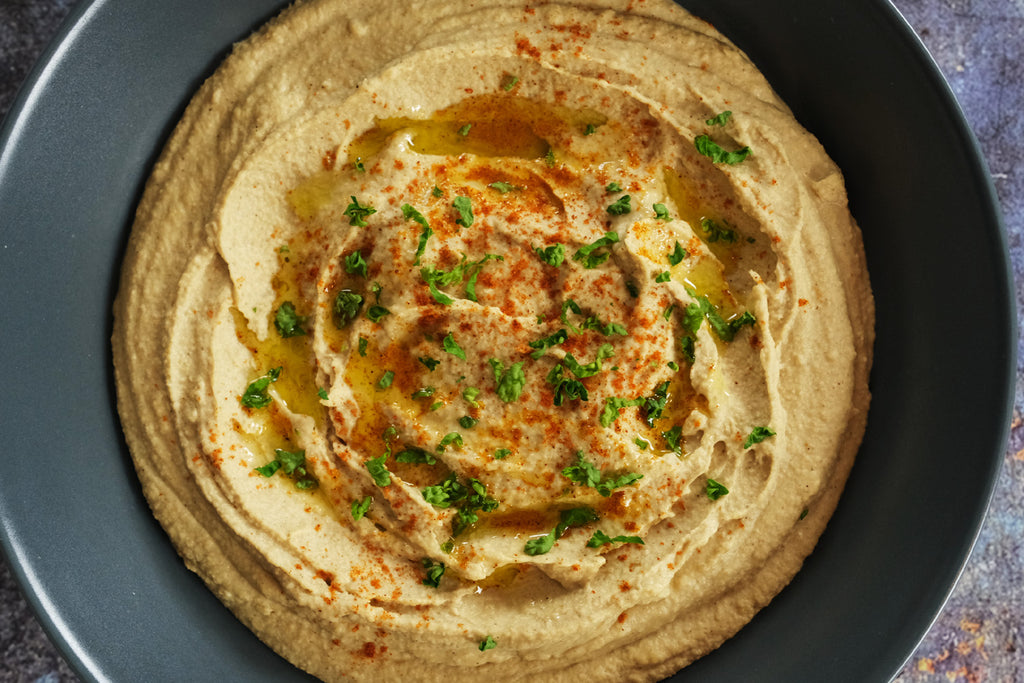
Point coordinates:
[[112, 593]]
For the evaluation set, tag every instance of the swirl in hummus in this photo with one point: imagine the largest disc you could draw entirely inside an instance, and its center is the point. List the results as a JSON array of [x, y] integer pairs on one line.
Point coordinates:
[[493, 341]]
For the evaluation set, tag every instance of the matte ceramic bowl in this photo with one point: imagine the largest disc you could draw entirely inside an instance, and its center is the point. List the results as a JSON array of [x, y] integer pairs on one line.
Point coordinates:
[[113, 594]]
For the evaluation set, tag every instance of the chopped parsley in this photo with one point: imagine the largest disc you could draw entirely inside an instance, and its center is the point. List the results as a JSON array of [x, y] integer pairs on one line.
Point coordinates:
[[470, 394], [467, 498], [661, 213], [654, 405], [346, 307], [436, 192], [361, 507], [502, 187], [584, 472], [553, 255], [758, 435], [590, 129], [714, 489], [430, 363], [449, 439], [488, 643], [510, 381], [592, 255], [712, 151], [425, 392], [663, 276], [620, 207], [378, 470], [464, 207], [357, 213], [573, 517], [376, 313], [541, 345], [502, 453], [409, 213], [719, 119], [612, 406], [415, 456], [464, 131], [451, 346], [322, 393], [673, 437], [292, 463], [436, 278], [613, 187], [716, 232], [677, 255], [355, 265], [434, 572], [509, 81], [256, 394], [726, 330], [468, 421], [600, 538], [386, 379], [688, 347], [288, 322], [363, 343]]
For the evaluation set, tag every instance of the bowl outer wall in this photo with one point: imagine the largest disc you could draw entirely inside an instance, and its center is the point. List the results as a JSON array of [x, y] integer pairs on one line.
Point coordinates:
[[78, 144]]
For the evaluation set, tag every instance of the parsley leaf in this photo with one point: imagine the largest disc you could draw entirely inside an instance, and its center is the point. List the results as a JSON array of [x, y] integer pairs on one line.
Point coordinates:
[[425, 392], [502, 453], [718, 155], [620, 207], [672, 438], [585, 472], [677, 255], [714, 490], [346, 307], [510, 381], [434, 572], [464, 207], [612, 405], [719, 119], [292, 463], [547, 342], [470, 394], [355, 265], [430, 363], [409, 213], [288, 322], [613, 187], [553, 255], [654, 404], [509, 81], [363, 343], [360, 508], [386, 379], [716, 232], [256, 394], [415, 456], [726, 330], [488, 643], [377, 313], [466, 498], [357, 213], [468, 421], [758, 435], [600, 538], [663, 276], [502, 187], [573, 517], [464, 131], [592, 254], [661, 213], [451, 346], [449, 439], [378, 470]]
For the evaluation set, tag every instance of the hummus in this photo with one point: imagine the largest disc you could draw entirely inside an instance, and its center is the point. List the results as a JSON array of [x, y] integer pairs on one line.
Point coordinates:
[[492, 341]]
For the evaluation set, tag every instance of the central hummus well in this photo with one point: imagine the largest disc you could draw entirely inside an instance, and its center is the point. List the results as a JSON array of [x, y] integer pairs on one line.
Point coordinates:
[[490, 340]]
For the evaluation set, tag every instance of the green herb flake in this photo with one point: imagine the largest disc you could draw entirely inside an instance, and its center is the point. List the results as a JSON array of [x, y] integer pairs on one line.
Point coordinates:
[[592, 255], [377, 313], [714, 489], [410, 213], [436, 192], [716, 231], [470, 394], [502, 453], [386, 380], [287, 322], [553, 255], [549, 157], [361, 507], [590, 129], [256, 394], [663, 276], [378, 470], [620, 207], [468, 421], [758, 435], [654, 405], [661, 213], [346, 307], [509, 381], [584, 472], [488, 643], [451, 346], [464, 207], [415, 456], [641, 443], [363, 344], [430, 363], [502, 187], [357, 213], [613, 187], [600, 538], [677, 255], [719, 119], [425, 392], [322, 393], [573, 517], [712, 151], [355, 265], [612, 406], [541, 345], [509, 81], [673, 438], [449, 439], [467, 498], [434, 572], [464, 131]]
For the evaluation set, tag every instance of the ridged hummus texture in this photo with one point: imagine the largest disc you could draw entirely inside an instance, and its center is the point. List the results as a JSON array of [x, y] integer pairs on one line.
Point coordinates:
[[492, 340]]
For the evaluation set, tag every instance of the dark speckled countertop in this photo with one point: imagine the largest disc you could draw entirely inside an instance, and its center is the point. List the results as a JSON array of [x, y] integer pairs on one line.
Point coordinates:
[[979, 46]]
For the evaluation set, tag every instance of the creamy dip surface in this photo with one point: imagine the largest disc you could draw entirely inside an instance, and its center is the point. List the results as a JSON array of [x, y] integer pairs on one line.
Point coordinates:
[[468, 340]]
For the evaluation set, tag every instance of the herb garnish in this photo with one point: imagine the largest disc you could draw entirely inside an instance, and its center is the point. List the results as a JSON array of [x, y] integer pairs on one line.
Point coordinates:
[[582, 471], [758, 435], [677, 255], [726, 330], [716, 232], [464, 207], [600, 538], [292, 463], [355, 265], [542, 345], [288, 322], [409, 213], [361, 507], [592, 255], [466, 498], [451, 346], [572, 517], [714, 489], [376, 313], [451, 438], [673, 437], [510, 381], [357, 213], [613, 404], [654, 405], [434, 572], [430, 363], [378, 470], [718, 155], [346, 307], [661, 213], [256, 394], [720, 119], [386, 379], [552, 255], [488, 643], [620, 207]]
